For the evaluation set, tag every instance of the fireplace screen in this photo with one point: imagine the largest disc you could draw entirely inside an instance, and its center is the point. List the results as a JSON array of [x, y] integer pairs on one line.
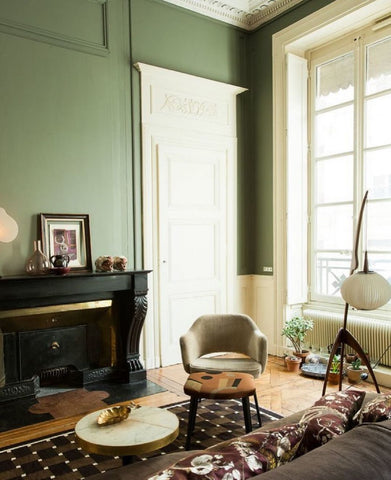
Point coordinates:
[[53, 352]]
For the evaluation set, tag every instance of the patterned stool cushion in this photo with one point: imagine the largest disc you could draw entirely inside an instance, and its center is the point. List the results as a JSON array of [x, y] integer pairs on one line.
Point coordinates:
[[219, 385]]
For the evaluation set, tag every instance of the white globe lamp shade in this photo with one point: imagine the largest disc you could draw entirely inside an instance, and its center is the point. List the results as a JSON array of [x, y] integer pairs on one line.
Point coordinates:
[[366, 290], [8, 227]]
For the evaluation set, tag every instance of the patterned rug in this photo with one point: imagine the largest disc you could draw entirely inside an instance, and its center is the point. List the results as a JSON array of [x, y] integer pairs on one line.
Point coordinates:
[[59, 457]]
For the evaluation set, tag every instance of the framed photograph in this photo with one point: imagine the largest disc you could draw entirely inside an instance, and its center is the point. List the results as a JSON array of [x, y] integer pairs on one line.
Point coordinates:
[[67, 235]]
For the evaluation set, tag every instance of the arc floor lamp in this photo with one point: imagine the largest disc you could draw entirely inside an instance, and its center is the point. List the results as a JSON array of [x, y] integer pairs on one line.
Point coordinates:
[[363, 290]]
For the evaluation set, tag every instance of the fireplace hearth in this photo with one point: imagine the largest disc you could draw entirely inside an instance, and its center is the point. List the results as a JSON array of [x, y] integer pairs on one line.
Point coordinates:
[[77, 329]]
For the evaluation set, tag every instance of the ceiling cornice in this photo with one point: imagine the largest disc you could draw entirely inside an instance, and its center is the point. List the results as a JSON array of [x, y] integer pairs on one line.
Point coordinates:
[[247, 14]]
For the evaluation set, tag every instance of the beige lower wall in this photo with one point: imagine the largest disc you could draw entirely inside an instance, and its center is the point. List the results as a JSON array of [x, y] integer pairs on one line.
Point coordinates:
[[257, 299]]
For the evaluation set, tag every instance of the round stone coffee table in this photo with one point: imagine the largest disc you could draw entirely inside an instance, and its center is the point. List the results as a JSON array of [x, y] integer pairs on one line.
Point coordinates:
[[146, 429]]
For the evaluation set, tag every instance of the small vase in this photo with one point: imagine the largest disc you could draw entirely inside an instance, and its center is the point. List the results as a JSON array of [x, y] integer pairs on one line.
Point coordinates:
[[38, 263]]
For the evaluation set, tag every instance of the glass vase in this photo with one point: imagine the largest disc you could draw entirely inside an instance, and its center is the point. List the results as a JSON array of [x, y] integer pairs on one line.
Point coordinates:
[[38, 263]]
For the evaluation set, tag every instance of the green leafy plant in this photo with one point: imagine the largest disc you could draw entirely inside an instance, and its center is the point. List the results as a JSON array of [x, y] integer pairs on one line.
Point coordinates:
[[335, 364], [295, 330], [356, 364]]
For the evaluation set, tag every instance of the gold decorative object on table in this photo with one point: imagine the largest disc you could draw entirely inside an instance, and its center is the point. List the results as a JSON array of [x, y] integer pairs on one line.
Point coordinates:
[[115, 414]]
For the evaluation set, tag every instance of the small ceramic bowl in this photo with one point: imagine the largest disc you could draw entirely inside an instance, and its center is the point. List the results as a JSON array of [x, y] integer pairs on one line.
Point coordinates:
[[60, 270]]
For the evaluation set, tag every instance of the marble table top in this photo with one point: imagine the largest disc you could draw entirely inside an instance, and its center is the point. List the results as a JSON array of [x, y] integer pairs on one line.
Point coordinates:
[[146, 429]]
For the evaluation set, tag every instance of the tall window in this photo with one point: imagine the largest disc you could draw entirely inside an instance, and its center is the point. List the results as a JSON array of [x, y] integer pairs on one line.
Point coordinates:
[[350, 138]]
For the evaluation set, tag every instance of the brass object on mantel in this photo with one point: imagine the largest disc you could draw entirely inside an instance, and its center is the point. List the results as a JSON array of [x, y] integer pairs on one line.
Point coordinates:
[[116, 414]]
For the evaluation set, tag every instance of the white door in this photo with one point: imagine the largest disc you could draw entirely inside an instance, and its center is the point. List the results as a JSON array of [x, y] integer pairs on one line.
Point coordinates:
[[189, 204], [192, 236]]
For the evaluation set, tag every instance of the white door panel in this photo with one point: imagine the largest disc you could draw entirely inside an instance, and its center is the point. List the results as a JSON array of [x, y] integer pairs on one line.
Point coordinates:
[[192, 238]]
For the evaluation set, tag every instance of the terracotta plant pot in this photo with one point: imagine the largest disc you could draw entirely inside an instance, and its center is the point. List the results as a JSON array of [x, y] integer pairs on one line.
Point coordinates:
[[293, 365], [333, 377], [302, 355], [354, 376], [350, 357]]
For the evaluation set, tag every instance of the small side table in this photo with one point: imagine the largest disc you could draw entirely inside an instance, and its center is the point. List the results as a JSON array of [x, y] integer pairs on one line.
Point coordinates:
[[145, 430], [219, 386]]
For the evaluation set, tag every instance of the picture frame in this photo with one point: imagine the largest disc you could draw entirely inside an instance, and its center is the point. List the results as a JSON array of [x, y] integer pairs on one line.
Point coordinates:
[[67, 234]]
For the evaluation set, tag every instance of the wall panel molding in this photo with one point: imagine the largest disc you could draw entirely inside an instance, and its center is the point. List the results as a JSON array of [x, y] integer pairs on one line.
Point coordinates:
[[211, 110], [89, 34]]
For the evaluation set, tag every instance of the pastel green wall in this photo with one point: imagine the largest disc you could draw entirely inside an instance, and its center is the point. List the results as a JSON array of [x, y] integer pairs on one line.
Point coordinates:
[[69, 122], [260, 117], [69, 127], [65, 132]]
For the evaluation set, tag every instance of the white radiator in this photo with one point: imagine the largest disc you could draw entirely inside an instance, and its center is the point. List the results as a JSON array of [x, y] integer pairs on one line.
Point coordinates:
[[373, 335]]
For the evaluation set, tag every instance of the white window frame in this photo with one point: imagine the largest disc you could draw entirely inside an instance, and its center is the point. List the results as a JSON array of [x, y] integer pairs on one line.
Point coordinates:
[[310, 32], [356, 44]]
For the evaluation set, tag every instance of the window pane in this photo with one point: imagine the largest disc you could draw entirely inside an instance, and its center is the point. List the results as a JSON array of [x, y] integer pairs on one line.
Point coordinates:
[[379, 226], [378, 173], [334, 226], [380, 263], [334, 131], [378, 121], [378, 66], [330, 187], [331, 270], [335, 82]]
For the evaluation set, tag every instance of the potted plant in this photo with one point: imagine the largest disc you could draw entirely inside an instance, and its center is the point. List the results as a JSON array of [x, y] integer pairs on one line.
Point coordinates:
[[354, 371], [295, 330], [335, 368], [292, 363]]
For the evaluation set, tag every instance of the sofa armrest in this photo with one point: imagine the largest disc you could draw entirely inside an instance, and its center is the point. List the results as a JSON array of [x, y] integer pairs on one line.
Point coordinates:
[[364, 452]]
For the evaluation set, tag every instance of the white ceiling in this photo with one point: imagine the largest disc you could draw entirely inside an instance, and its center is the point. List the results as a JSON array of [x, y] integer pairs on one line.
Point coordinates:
[[247, 14]]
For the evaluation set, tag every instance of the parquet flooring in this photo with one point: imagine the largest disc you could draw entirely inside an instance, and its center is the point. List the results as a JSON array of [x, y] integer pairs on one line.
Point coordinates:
[[277, 390]]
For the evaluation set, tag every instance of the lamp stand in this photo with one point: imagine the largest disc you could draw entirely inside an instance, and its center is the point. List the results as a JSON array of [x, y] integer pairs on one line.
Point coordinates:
[[344, 337]]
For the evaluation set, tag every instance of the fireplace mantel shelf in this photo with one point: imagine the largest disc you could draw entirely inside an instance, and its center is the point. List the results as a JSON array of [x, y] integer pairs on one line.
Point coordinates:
[[128, 293], [41, 290]]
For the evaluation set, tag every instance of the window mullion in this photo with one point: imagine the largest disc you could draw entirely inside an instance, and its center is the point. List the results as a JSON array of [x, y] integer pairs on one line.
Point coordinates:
[[359, 81]]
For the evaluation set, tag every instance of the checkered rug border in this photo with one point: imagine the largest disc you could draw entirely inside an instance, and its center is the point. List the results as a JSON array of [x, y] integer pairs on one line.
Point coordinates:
[[59, 457]]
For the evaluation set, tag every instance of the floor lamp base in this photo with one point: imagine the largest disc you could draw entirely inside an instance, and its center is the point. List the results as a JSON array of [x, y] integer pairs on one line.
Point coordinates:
[[344, 337]]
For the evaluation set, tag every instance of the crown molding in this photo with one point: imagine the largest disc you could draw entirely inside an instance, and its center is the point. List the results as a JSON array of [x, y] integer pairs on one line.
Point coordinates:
[[247, 14]]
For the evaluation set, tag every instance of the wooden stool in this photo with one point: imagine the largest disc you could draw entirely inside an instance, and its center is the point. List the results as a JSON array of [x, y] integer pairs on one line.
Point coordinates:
[[220, 386]]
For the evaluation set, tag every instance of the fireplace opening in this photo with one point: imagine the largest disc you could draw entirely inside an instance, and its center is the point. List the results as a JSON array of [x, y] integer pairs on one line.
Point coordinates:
[[65, 346]]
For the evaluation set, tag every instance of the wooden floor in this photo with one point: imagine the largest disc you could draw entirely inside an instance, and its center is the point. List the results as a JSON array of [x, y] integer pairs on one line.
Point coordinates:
[[277, 390]]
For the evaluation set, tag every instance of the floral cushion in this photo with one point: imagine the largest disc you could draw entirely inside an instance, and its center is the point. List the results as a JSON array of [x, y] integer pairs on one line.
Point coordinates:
[[242, 458], [376, 410], [329, 417]]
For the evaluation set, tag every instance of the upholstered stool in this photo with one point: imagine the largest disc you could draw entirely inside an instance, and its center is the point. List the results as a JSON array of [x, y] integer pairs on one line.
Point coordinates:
[[220, 386]]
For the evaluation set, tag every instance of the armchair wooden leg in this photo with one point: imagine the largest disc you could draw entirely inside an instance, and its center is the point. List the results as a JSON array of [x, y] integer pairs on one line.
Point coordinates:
[[247, 414], [257, 407]]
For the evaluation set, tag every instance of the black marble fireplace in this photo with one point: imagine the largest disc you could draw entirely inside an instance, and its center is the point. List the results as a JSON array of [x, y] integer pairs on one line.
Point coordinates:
[[82, 327]]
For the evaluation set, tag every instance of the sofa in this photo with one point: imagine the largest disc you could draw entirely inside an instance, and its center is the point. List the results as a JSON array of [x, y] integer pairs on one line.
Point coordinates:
[[344, 435]]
